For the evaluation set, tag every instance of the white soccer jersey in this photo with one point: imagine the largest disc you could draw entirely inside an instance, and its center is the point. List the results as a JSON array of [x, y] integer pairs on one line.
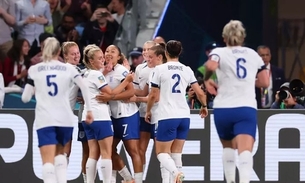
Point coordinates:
[[236, 76], [172, 78], [136, 82], [52, 89], [75, 91], [95, 81], [142, 78], [118, 108]]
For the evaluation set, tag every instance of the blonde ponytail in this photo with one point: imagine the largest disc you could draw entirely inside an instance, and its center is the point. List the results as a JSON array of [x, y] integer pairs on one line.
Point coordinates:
[[234, 33], [51, 49]]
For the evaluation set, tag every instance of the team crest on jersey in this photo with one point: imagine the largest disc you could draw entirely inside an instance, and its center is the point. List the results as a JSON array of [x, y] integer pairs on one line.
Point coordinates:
[[81, 135], [101, 79], [125, 73]]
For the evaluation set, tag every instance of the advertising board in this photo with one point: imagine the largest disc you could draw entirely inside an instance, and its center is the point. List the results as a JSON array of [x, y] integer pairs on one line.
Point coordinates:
[[279, 151]]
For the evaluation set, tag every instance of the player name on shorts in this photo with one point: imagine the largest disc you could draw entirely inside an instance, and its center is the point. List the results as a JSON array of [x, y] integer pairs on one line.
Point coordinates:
[[54, 67], [175, 67]]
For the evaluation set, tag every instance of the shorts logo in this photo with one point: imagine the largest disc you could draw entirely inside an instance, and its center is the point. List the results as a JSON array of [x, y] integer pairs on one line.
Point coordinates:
[[81, 135], [125, 135]]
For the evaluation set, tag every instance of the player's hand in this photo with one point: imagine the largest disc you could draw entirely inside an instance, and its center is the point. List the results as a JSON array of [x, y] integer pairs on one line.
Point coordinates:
[[103, 97], [132, 99], [148, 116], [130, 77], [89, 117], [203, 112], [211, 87]]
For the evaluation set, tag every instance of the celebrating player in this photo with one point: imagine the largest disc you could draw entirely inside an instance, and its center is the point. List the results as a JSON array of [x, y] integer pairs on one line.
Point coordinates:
[[125, 117], [71, 55], [100, 132], [169, 83], [235, 115], [53, 115]]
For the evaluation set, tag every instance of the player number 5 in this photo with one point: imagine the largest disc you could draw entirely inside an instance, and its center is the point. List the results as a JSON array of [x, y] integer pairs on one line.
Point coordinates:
[[52, 84], [241, 71]]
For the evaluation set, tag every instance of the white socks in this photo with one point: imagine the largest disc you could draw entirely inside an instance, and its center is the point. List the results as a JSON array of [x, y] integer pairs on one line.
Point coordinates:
[[125, 174], [106, 165], [91, 170], [168, 163], [60, 162], [113, 177], [164, 174], [85, 178], [245, 166], [229, 164], [138, 177], [48, 173]]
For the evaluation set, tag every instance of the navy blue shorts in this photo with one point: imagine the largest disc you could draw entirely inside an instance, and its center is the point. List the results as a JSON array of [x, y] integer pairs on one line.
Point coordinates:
[[127, 128], [147, 127], [82, 137], [54, 135], [171, 129], [231, 122], [98, 130]]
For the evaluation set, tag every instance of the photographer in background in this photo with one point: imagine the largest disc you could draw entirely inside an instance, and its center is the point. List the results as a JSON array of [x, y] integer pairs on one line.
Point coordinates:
[[284, 99]]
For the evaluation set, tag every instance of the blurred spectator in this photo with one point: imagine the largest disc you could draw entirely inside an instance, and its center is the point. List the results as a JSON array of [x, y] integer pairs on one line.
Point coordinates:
[[66, 30], [57, 10], [118, 6], [81, 10], [288, 102], [7, 20], [266, 96], [95, 3], [102, 30], [17, 64], [38, 58], [2, 92], [31, 17], [136, 58], [201, 70], [159, 40], [192, 99]]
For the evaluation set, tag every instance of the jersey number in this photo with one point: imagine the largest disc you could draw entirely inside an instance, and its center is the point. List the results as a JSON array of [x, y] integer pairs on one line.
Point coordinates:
[[52, 84], [174, 88], [241, 71]]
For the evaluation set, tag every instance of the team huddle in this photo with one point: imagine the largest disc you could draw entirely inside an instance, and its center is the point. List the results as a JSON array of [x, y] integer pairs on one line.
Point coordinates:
[[135, 107]]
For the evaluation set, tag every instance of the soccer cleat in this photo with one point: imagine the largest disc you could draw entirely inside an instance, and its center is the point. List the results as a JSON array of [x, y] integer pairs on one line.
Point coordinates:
[[180, 178], [128, 181]]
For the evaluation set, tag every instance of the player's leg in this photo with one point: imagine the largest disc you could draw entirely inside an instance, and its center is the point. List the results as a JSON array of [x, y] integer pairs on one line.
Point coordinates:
[[145, 135], [245, 131], [131, 135], [85, 149], [118, 164], [166, 134], [63, 137], [223, 121], [94, 153], [104, 134], [67, 149], [47, 146]]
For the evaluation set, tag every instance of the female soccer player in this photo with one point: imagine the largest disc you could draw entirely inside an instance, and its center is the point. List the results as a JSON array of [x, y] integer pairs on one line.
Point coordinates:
[[71, 55], [238, 69], [53, 115], [155, 56], [100, 132], [169, 83], [125, 117]]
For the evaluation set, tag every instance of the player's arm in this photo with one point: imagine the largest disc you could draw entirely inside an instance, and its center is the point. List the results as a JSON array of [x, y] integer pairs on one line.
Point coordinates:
[[128, 93], [79, 81], [142, 93], [28, 91], [154, 93], [211, 65]]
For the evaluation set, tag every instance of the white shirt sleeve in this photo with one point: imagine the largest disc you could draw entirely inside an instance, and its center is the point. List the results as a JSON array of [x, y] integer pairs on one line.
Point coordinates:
[[156, 81], [215, 55], [2, 93], [192, 76], [28, 91], [98, 79], [124, 73], [136, 75]]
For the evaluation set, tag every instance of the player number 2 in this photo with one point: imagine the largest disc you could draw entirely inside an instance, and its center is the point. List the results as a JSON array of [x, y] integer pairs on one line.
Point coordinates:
[[174, 88], [241, 71], [52, 84]]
